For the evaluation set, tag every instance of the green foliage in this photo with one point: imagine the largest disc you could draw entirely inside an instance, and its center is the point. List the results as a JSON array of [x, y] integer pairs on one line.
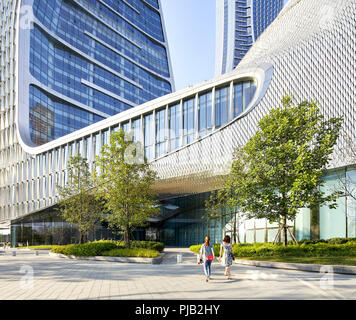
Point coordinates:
[[132, 252], [308, 248], [330, 241], [97, 248], [303, 250], [79, 205], [61, 249], [86, 249], [125, 182], [153, 245], [280, 168]]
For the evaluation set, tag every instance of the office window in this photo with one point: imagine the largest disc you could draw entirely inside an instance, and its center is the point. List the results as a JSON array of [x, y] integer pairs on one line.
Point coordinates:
[[174, 126], [149, 136], [188, 121], [221, 106], [205, 110], [137, 130], [161, 135]]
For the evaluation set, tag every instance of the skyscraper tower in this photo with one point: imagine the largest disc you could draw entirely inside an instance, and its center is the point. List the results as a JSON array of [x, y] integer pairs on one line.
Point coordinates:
[[238, 25], [81, 61], [64, 65]]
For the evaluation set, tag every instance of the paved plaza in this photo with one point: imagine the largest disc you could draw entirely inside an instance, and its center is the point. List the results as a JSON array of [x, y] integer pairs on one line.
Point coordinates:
[[31, 276]]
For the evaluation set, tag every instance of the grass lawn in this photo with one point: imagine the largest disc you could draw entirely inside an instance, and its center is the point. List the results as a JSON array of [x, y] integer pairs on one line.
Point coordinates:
[[347, 261]]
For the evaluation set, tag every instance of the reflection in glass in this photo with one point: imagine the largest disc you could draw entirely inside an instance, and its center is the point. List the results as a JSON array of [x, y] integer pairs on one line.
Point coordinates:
[[174, 126], [161, 132], [149, 137], [351, 203], [333, 221], [205, 123], [221, 106], [136, 130], [188, 121], [243, 95], [238, 106]]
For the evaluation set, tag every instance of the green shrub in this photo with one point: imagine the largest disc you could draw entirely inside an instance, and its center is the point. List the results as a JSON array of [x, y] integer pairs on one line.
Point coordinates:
[[132, 252], [97, 248], [339, 240], [61, 249], [153, 245], [85, 250], [304, 250]]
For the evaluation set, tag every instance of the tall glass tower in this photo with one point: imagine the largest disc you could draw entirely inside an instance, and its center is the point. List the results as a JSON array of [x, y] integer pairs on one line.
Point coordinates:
[[81, 61], [238, 24]]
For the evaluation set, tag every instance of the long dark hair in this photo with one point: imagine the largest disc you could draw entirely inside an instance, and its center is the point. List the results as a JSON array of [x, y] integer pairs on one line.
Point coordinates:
[[207, 241], [227, 239]]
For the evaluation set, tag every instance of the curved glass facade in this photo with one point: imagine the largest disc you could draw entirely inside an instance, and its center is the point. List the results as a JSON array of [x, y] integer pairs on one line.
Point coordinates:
[[189, 135], [101, 57], [162, 130]]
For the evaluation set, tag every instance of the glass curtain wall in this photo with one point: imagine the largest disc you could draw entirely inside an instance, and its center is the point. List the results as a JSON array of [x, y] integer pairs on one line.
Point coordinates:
[[174, 126], [188, 121], [136, 130], [221, 106], [149, 137], [161, 136], [243, 95], [205, 111], [333, 221], [351, 203]]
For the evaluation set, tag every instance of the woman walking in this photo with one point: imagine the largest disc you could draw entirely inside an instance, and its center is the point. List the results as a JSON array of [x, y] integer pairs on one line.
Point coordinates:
[[226, 260], [207, 256]]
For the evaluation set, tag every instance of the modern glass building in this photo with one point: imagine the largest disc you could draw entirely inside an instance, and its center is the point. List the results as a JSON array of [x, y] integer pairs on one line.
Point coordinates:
[[85, 60], [189, 136], [239, 23]]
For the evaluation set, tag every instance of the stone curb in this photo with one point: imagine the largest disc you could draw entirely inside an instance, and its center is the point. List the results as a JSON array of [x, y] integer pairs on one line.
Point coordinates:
[[299, 266], [157, 260], [25, 249]]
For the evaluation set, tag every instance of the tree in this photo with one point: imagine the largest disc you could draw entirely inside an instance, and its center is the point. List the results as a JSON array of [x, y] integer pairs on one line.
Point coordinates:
[[79, 204], [125, 181], [221, 206], [280, 168]]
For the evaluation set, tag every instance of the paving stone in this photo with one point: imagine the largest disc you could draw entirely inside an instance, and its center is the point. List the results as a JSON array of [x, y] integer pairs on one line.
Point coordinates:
[[56, 278]]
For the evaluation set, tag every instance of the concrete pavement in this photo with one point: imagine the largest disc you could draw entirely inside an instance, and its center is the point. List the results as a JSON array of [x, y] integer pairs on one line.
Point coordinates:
[[27, 276]]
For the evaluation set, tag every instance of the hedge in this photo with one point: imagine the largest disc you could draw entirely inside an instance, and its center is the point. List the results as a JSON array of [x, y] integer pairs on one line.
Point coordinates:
[[85, 250], [97, 248], [303, 250], [320, 249], [158, 246], [132, 252]]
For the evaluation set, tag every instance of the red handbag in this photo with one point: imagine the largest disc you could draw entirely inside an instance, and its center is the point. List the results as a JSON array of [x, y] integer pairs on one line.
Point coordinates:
[[210, 257]]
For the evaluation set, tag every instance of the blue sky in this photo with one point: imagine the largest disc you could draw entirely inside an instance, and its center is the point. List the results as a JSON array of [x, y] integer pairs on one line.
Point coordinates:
[[190, 26]]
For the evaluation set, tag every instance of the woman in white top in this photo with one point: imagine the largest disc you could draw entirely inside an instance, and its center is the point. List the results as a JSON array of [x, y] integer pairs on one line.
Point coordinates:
[[226, 260]]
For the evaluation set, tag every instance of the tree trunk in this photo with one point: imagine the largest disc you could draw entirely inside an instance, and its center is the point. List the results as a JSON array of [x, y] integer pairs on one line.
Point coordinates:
[[127, 237], [285, 240], [235, 230], [80, 237]]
